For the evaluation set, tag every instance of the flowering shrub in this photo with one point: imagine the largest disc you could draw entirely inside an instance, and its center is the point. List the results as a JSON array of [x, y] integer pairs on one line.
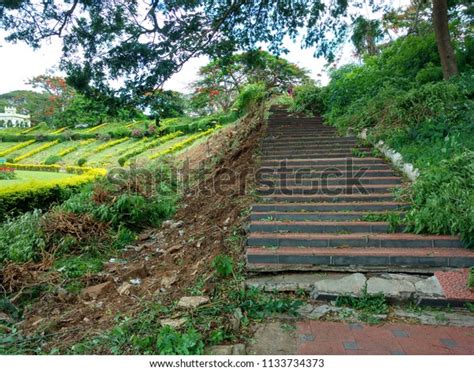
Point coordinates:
[[36, 150], [137, 133], [60, 130], [64, 152], [17, 147], [7, 173], [112, 143], [180, 145], [91, 130], [134, 152]]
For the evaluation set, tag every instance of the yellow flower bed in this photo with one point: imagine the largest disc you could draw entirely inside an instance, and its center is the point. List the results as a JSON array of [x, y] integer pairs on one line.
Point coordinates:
[[64, 152], [91, 130], [58, 168], [133, 146], [36, 150], [28, 130], [16, 147], [84, 175], [59, 131], [109, 144], [180, 145]]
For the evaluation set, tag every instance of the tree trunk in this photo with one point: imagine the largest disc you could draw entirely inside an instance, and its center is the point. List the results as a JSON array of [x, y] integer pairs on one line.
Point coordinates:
[[443, 39]]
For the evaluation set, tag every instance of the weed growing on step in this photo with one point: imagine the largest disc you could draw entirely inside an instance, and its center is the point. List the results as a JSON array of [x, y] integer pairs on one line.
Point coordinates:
[[369, 307], [470, 278]]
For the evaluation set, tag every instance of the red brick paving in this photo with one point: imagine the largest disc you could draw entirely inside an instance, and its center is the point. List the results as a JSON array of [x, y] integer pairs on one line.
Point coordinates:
[[325, 338], [454, 284]]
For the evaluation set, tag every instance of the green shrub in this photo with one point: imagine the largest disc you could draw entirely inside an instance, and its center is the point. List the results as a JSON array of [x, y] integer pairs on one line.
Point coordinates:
[[309, 98], [52, 160], [21, 239], [250, 95], [430, 73], [223, 265], [81, 161], [443, 199]]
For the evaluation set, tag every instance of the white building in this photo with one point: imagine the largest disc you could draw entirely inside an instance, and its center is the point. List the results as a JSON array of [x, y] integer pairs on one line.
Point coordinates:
[[12, 119]]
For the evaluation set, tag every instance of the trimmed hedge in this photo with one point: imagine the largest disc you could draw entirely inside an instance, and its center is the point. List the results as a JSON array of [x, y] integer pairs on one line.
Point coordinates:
[[20, 198]]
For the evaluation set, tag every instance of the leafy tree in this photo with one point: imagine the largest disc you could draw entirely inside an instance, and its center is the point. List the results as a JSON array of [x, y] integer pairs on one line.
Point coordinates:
[[366, 34], [166, 104], [58, 91], [144, 43], [27, 102], [222, 79], [141, 44]]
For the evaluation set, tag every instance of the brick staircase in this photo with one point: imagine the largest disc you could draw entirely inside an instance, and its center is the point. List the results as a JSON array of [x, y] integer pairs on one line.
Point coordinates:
[[316, 203]]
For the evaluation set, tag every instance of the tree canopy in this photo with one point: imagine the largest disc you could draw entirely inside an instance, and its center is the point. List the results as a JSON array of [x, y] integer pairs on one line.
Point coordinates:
[[223, 78], [143, 43]]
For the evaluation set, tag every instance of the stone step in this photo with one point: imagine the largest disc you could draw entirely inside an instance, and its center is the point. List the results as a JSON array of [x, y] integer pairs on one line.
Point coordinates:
[[330, 190], [312, 182], [307, 173], [309, 156], [280, 138], [308, 147], [344, 160], [329, 207], [321, 227], [354, 198], [287, 167], [390, 240], [399, 259], [320, 216], [316, 153]]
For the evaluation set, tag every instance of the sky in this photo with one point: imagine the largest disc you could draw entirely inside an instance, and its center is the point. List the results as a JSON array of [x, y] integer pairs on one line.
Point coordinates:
[[19, 63]]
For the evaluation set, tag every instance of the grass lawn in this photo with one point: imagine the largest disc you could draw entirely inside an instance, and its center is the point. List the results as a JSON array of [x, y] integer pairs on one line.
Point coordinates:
[[30, 176]]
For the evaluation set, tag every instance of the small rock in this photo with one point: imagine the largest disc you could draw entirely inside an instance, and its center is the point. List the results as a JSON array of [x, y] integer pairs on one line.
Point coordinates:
[[135, 281], [177, 225], [404, 277], [192, 301], [227, 221], [238, 349], [168, 281], [220, 350], [136, 271], [349, 285], [429, 287], [181, 233], [86, 320], [167, 223], [174, 323], [236, 319], [93, 292], [174, 249], [124, 289], [392, 288]]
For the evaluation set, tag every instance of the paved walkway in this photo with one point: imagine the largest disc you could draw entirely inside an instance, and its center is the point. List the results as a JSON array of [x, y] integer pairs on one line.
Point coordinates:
[[326, 338]]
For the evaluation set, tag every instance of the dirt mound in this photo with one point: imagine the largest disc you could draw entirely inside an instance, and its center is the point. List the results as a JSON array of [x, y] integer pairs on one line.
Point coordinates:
[[165, 262]]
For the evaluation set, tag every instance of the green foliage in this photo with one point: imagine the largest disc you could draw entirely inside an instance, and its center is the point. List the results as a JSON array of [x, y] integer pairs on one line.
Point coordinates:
[[368, 306], [443, 199], [52, 160], [223, 265], [470, 278], [308, 98], [400, 96], [82, 161], [250, 95], [77, 266], [171, 342], [7, 174], [21, 239]]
